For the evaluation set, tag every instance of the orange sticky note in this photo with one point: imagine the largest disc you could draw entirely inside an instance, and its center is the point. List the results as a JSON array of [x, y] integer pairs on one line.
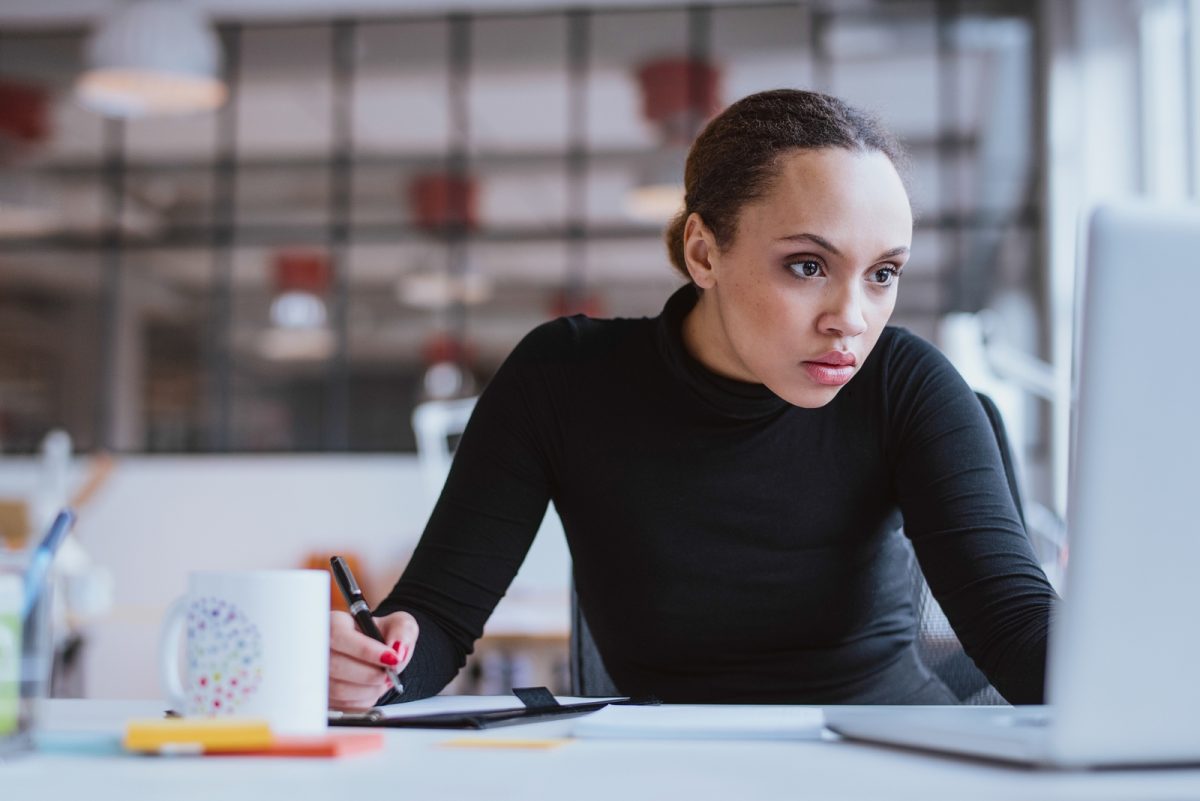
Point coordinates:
[[325, 745]]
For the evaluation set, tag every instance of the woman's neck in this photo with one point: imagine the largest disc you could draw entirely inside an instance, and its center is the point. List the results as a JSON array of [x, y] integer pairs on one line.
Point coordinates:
[[706, 342]]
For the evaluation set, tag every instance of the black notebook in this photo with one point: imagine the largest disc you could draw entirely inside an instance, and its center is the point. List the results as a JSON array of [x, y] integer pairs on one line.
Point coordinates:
[[538, 704]]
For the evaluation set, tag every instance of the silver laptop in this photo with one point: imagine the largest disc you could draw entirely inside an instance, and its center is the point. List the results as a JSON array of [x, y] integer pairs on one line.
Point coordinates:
[[1123, 679]]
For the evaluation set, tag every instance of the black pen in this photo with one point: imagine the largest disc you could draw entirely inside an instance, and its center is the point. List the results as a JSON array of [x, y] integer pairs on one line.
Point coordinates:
[[360, 610]]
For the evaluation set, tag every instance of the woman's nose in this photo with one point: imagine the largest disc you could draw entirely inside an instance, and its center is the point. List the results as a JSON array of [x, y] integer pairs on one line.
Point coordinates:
[[843, 316]]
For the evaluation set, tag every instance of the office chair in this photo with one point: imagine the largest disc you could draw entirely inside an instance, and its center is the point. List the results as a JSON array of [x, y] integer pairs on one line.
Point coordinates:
[[936, 643], [437, 425]]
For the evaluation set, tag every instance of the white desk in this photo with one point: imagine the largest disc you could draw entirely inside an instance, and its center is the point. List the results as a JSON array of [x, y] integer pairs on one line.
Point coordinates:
[[413, 766]]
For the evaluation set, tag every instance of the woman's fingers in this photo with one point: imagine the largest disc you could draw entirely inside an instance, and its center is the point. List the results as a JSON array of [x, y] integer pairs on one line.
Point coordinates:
[[347, 669], [400, 630], [353, 696], [346, 639], [357, 676], [345, 694]]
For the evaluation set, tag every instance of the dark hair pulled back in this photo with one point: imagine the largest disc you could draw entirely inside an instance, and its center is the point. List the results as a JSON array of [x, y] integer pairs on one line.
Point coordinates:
[[733, 161]]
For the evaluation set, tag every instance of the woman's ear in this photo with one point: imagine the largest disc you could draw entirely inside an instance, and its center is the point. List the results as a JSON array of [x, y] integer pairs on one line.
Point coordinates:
[[700, 251]]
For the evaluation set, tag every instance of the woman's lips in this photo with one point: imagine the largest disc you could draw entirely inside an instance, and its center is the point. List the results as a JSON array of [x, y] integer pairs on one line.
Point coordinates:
[[829, 374]]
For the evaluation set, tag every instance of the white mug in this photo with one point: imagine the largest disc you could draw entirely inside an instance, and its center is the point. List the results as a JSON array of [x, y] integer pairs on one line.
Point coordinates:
[[257, 646]]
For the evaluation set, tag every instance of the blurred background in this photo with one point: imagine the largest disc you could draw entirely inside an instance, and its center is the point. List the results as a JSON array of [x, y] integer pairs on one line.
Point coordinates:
[[256, 257]]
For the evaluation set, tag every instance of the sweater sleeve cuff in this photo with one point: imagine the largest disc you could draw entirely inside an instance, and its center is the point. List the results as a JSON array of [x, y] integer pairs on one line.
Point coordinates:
[[434, 664]]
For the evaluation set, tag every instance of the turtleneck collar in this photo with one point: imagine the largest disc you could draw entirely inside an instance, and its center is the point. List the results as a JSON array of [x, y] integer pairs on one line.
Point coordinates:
[[728, 396]]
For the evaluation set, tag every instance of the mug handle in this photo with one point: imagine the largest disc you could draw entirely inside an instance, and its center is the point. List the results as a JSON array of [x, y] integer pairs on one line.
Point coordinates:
[[169, 640]]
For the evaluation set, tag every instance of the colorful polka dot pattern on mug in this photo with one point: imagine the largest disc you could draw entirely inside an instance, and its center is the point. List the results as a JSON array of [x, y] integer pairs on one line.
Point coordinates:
[[224, 655]]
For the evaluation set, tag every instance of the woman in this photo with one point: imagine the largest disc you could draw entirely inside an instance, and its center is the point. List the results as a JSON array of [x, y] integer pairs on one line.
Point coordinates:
[[730, 475]]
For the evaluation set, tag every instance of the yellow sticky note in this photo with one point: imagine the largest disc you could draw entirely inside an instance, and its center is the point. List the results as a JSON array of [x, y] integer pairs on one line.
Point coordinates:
[[498, 742], [198, 734]]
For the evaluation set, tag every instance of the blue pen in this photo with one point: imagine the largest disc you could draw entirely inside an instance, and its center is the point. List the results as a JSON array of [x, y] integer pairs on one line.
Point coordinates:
[[43, 557]]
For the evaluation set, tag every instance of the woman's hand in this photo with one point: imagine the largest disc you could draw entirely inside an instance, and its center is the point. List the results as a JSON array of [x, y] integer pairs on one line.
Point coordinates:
[[357, 662]]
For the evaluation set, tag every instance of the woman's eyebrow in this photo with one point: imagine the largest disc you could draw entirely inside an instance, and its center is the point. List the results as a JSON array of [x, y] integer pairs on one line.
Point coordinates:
[[820, 240], [827, 245]]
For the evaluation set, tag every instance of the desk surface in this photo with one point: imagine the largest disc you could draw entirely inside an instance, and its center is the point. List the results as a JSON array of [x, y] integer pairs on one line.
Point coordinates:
[[414, 766]]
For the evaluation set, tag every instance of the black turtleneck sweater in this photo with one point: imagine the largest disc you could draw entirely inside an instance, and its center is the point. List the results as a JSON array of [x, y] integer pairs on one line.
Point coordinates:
[[728, 546]]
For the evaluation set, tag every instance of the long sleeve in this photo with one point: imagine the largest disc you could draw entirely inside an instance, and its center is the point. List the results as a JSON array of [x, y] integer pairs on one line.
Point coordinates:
[[960, 516], [486, 517]]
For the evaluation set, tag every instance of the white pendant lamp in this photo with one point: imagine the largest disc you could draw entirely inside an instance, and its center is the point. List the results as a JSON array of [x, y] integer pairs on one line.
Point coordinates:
[[678, 94], [658, 192], [152, 57], [26, 207]]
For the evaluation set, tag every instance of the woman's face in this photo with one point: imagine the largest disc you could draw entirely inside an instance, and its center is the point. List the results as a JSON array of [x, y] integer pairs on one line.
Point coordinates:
[[800, 296]]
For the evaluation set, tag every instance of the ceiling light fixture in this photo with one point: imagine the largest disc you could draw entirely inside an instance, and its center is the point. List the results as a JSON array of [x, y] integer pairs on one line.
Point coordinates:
[[658, 192], [299, 318], [302, 279], [428, 289], [26, 208], [678, 95], [152, 57]]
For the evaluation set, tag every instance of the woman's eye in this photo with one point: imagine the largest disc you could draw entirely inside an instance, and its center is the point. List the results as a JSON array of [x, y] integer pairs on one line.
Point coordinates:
[[885, 275], [807, 268]]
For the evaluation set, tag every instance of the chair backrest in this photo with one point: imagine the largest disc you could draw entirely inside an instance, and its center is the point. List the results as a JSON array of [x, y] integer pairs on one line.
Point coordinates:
[[589, 677], [437, 424], [936, 643]]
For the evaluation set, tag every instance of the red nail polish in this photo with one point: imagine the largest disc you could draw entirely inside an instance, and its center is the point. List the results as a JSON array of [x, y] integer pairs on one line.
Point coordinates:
[[389, 659], [396, 646]]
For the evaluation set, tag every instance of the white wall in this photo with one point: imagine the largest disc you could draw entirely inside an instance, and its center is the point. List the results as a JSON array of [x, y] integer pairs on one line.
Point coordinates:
[[160, 517], [1092, 149]]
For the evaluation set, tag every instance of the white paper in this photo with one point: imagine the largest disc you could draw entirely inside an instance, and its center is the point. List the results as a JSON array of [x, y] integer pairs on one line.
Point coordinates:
[[716, 722]]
